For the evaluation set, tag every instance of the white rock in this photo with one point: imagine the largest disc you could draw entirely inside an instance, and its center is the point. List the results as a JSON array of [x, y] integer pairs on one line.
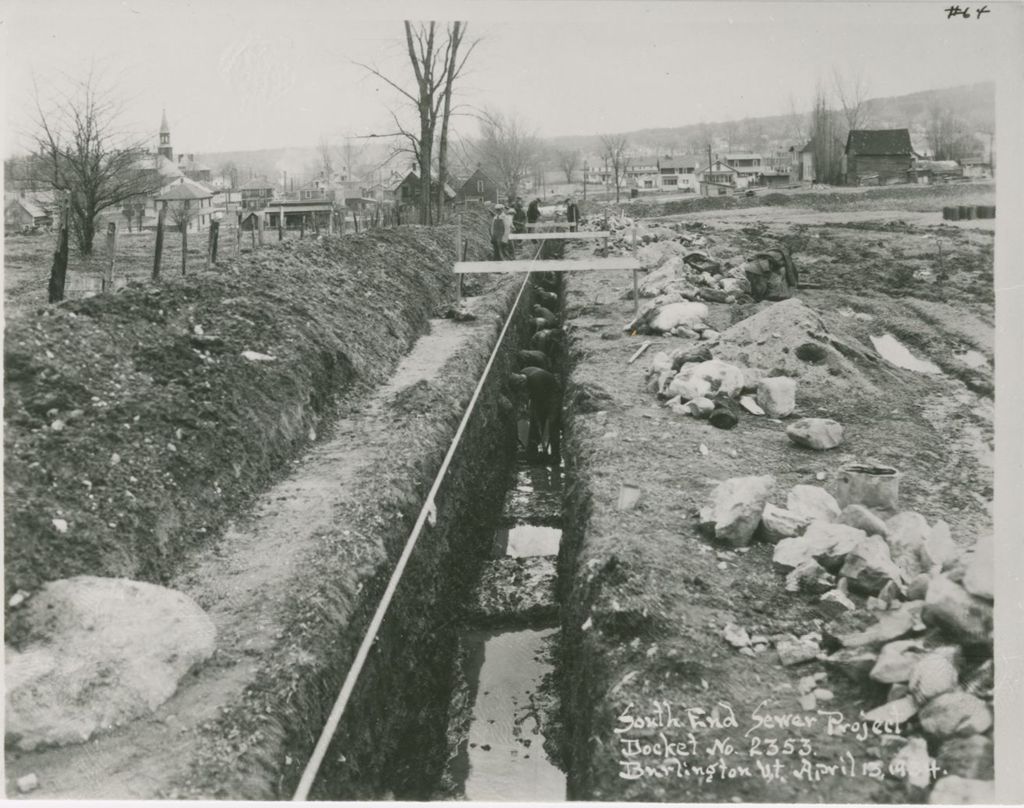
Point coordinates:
[[661, 362], [913, 759], [816, 433], [736, 506], [979, 575], [860, 516], [813, 503], [950, 606], [256, 356], [896, 661], [777, 395], [736, 636], [898, 711], [955, 713], [793, 651], [837, 601], [830, 543], [60, 525], [809, 576], [28, 783], [906, 539], [709, 334], [779, 523], [720, 376], [108, 651], [935, 673], [687, 313], [940, 545], [689, 387], [700, 407], [750, 405], [954, 790], [869, 567]]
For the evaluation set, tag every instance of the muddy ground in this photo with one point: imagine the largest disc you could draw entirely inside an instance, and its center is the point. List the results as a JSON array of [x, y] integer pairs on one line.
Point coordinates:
[[648, 596]]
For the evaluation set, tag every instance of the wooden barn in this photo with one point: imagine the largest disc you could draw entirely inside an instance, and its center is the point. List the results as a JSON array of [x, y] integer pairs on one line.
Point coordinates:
[[478, 187], [877, 157]]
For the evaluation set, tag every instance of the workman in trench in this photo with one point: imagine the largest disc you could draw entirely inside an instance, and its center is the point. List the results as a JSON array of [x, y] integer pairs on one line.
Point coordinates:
[[545, 397]]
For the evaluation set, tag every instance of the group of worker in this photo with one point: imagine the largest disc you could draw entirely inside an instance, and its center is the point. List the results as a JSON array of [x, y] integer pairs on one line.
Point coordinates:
[[512, 218]]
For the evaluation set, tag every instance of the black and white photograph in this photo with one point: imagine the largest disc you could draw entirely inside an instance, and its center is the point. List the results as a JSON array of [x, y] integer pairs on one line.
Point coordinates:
[[513, 401]]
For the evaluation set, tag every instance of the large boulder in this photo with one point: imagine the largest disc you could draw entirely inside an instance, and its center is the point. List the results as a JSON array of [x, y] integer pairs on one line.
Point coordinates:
[[954, 790], [722, 378], [935, 673], [966, 617], [777, 396], [897, 660], [816, 433], [970, 757], [826, 543], [979, 572], [813, 503], [668, 317], [870, 629], [688, 387], [780, 523], [109, 650], [734, 509], [869, 567], [955, 714]]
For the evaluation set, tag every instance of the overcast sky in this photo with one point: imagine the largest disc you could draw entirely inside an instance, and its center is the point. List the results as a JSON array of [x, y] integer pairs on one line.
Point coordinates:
[[255, 74]]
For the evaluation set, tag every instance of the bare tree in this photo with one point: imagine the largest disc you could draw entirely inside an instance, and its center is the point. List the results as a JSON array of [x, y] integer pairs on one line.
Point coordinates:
[[507, 150], [568, 161], [614, 152], [949, 136], [325, 157], [436, 64], [853, 97], [86, 153]]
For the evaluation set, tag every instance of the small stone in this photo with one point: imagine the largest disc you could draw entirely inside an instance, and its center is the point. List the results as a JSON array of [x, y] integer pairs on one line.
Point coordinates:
[[777, 395], [60, 525], [949, 606], [835, 603], [700, 407], [896, 661], [935, 673], [736, 636], [860, 516], [779, 523], [75, 414], [115, 458], [854, 663], [868, 566], [970, 757], [809, 576], [821, 475], [830, 543], [709, 334], [256, 356], [793, 651], [57, 425], [808, 702], [806, 684], [736, 506], [816, 433], [871, 628], [913, 759], [17, 598], [813, 503], [823, 694], [898, 711], [953, 790], [746, 650], [28, 783], [955, 713], [750, 405]]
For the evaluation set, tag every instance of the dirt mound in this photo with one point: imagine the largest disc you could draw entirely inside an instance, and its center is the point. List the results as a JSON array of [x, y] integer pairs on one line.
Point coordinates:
[[791, 339], [136, 424]]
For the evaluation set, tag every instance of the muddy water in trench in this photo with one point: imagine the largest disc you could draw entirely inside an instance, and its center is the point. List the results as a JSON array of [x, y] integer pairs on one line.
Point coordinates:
[[504, 683]]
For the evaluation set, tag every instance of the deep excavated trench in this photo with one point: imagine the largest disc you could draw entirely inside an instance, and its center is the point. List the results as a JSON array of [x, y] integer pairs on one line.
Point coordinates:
[[458, 698]]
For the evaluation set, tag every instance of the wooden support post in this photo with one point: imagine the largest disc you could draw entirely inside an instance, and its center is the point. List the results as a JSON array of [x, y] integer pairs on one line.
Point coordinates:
[[355, 221], [158, 254], [636, 282], [59, 269], [458, 256], [238, 234], [211, 245], [184, 247], [316, 225], [280, 225], [330, 222], [259, 227], [302, 226], [108, 275]]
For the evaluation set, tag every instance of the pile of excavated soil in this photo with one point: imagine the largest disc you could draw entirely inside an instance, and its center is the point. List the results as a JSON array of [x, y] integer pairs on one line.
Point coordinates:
[[137, 423], [789, 338]]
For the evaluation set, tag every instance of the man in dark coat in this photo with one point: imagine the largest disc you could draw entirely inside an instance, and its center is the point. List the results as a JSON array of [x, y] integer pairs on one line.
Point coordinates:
[[518, 217], [533, 212], [545, 394], [572, 214], [498, 232]]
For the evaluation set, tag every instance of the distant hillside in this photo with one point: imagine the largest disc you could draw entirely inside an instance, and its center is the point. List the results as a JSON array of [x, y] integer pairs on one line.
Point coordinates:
[[975, 103]]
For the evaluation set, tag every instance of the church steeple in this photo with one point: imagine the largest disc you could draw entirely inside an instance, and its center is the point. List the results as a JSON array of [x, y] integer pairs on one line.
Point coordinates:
[[165, 138]]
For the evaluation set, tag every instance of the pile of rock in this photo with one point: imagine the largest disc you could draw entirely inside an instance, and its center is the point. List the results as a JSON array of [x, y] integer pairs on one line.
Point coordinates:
[[677, 273], [906, 608]]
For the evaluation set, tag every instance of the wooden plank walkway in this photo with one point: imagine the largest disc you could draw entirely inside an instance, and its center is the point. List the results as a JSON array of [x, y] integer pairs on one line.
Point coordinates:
[[545, 236], [582, 265]]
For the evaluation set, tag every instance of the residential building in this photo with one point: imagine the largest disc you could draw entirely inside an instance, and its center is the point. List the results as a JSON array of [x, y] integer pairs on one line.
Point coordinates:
[[718, 179], [478, 187], [679, 173], [257, 193], [188, 200], [25, 213], [877, 157], [164, 149], [193, 169]]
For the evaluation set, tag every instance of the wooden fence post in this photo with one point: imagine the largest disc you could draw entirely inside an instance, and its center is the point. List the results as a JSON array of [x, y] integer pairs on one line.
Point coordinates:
[[355, 221], [330, 222], [259, 227], [184, 246], [108, 275], [636, 289], [280, 225], [211, 247], [238, 234], [316, 225], [158, 254], [458, 257], [302, 226], [58, 272]]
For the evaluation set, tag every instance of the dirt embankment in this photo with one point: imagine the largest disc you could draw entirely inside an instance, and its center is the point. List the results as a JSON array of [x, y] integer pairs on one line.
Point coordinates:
[[136, 424], [646, 596]]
